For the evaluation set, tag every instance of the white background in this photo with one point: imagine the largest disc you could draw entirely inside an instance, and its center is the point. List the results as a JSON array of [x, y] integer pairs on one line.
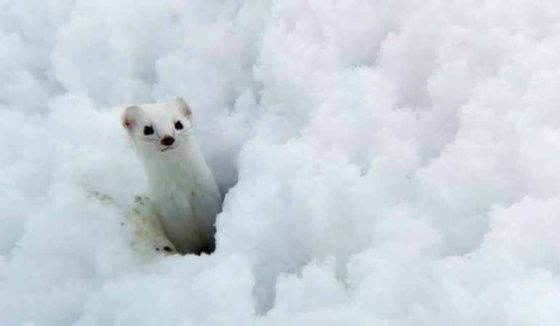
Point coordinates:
[[394, 162]]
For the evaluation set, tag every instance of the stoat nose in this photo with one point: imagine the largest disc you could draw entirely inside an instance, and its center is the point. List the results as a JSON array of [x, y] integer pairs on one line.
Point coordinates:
[[167, 140]]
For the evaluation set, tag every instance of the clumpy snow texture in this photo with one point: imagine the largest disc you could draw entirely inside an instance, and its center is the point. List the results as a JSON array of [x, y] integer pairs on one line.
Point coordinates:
[[384, 162]]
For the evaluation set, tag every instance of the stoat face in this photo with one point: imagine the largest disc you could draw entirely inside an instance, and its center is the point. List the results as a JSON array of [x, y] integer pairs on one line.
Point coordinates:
[[158, 127]]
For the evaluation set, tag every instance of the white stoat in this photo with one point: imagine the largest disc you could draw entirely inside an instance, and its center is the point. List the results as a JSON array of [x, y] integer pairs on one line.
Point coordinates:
[[183, 188]]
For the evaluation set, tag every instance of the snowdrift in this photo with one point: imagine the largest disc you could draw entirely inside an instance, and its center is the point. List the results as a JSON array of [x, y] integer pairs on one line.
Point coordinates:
[[384, 162]]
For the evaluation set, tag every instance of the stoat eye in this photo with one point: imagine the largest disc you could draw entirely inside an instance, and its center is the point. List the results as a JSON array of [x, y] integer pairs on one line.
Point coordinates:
[[178, 125], [148, 130]]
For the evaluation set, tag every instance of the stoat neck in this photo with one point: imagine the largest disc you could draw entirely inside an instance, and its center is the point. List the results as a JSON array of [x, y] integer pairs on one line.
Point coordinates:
[[183, 167]]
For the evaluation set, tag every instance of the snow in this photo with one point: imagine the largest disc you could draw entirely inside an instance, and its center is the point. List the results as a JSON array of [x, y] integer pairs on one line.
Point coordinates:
[[384, 162]]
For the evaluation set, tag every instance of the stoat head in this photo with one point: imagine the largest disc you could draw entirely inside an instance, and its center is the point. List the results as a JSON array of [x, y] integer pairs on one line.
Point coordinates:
[[158, 127]]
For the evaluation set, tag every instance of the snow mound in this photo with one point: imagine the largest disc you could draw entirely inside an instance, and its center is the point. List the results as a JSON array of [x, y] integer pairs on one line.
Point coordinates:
[[384, 162]]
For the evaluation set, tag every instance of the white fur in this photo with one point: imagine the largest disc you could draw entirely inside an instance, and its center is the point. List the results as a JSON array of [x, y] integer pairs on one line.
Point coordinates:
[[183, 188]]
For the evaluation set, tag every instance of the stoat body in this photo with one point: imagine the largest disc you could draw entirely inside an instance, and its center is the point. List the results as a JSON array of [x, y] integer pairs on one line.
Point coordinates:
[[183, 188]]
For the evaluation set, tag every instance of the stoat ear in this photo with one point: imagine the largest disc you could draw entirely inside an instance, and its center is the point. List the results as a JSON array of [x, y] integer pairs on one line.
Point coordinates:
[[183, 106], [129, 117]]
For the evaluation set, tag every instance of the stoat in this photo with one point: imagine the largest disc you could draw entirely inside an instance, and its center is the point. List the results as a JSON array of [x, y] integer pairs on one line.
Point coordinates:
[[182, 186]]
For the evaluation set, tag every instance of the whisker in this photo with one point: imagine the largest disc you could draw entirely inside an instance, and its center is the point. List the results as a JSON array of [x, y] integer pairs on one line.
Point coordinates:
[[146, 140], [186, 133]]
